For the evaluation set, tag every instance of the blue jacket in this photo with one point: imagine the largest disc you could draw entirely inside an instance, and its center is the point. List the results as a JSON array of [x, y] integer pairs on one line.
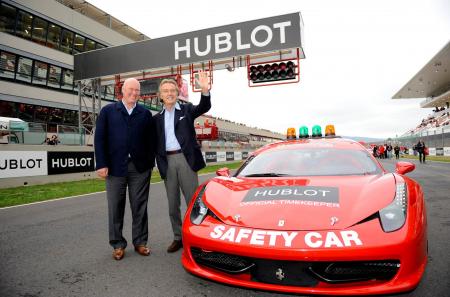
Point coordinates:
[[185, 134], [118, 135]]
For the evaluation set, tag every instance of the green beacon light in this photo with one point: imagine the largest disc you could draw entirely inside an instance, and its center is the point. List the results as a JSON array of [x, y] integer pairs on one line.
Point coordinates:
[[316, 131], [303, 132]]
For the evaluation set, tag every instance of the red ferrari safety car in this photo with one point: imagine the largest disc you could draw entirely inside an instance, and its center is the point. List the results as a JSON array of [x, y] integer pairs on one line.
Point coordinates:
[[311, 216]]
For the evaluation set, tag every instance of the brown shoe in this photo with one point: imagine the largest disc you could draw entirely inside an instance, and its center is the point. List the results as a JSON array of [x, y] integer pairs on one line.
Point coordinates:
[[175, 246], [142, 250], [118, 254]]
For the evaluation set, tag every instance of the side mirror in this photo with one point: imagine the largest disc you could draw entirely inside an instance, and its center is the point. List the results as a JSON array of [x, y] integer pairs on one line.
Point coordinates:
[[223, 172], [404, 167]]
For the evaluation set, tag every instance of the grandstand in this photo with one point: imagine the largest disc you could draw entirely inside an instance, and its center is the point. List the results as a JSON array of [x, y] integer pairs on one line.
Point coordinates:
[[437, 119], [432, 82]]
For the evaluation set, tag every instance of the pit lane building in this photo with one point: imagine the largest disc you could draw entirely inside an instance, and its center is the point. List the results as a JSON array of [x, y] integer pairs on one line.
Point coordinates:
[[38, 41]]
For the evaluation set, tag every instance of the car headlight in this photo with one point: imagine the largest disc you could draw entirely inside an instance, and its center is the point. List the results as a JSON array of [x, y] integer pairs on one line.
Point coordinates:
[[393, 216], [199, 209]]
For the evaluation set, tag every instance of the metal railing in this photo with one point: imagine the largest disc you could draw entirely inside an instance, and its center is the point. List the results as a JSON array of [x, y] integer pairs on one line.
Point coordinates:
[[28, 133], [436, 137], [38, 133], [71, 135]]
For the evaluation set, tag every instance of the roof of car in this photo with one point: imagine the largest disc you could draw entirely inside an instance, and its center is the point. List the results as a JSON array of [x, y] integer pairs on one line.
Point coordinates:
[[334, 142]]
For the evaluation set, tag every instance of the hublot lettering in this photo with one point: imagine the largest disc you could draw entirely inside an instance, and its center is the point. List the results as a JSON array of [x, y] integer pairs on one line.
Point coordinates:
[[20, 164], [71, 162], [306, 193], [260, 36]]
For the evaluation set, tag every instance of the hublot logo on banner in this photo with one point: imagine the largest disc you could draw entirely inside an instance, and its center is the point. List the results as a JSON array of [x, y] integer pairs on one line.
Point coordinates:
[[22, 163], [70, 162]]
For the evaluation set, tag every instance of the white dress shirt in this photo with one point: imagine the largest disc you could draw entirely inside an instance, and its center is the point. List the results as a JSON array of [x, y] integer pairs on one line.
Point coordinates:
[[172, 143], [129, 110]]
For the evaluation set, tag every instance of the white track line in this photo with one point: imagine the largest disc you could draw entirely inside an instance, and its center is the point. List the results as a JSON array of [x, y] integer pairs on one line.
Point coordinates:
[[51, 200], [76, 196]]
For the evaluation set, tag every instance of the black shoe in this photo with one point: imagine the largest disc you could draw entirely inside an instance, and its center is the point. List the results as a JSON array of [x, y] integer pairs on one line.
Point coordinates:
[[175, 246]]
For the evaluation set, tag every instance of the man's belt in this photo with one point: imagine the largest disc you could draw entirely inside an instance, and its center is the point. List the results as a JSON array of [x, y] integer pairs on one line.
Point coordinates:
[[174, 152]]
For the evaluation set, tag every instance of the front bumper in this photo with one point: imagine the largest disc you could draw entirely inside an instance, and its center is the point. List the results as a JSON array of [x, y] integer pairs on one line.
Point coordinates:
[[384, 263]]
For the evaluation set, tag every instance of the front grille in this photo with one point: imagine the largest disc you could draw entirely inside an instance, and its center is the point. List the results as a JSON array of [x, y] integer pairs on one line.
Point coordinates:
[[224, 262], [296, 273], [285, 273], [334, 272]]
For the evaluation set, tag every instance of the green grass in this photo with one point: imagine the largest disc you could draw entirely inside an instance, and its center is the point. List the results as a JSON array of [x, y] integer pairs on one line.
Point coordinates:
[[213, 168], [428, 158], [29, 194]]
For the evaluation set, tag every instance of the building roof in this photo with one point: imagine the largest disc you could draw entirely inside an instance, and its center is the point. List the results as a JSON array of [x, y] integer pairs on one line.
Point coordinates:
[[432, 81], [95, 13]]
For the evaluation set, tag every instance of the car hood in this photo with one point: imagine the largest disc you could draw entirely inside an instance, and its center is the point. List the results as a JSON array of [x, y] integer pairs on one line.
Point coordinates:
[[313, 203]]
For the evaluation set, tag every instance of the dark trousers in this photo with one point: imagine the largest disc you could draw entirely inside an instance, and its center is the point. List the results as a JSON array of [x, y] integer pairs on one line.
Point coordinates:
[[422, 157], [138, 188]]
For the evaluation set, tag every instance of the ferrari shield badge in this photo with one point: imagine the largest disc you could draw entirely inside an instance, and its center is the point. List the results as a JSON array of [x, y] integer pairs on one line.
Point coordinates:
[[333, 220], [279, 274]]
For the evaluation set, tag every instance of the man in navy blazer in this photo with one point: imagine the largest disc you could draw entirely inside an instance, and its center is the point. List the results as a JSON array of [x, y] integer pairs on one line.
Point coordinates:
[[178, 154], [124, 153]]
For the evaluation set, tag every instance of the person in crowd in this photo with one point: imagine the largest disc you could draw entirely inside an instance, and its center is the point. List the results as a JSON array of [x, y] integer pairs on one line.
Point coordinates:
[[420, 148], [425, 151], [54, 140], [397, 151], [389, 151], [375, 151], [381, 151]]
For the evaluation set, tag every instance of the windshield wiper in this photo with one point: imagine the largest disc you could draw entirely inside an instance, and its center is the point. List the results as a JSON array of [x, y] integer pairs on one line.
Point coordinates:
[[267, 174]]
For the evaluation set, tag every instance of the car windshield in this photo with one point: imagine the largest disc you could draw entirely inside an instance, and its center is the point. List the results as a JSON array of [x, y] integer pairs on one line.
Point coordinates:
[[309, 162]]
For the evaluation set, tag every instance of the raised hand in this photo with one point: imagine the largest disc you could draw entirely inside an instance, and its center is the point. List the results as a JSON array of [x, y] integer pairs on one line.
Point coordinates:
[[202, 81]]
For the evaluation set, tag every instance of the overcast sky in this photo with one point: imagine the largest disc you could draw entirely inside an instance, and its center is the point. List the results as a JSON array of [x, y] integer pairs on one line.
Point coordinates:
[[358, 55]]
